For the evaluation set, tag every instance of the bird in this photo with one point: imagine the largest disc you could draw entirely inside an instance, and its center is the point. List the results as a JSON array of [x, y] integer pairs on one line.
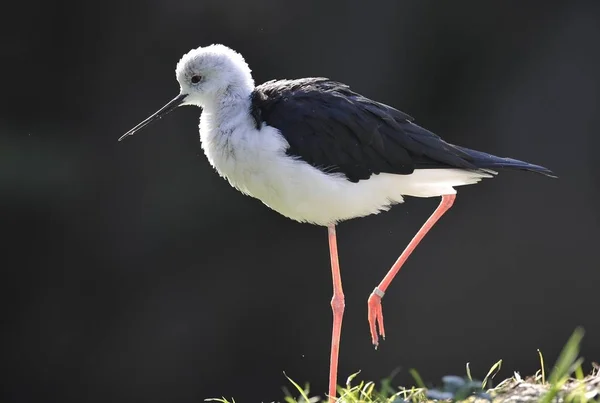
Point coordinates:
[[317, 152]]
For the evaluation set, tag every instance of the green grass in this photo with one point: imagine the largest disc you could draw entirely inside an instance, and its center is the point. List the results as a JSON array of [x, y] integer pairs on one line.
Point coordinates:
[[566, 383]]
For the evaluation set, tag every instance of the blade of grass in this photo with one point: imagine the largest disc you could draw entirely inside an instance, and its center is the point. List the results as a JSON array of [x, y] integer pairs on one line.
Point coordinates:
[[567, 357], [491, 373], [300, 390], [542, 367], [367, 390], [350, 378], [386, 388], [576, 365], [579, 373], [220, 400], [469, 372], [417, 378], [565, 365]]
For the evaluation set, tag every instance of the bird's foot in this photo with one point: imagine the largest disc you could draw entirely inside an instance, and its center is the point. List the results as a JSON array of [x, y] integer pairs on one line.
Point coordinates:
[[376, 316]]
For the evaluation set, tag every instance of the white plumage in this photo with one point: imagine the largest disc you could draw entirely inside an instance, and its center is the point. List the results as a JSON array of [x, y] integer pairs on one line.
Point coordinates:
[[254, 161]]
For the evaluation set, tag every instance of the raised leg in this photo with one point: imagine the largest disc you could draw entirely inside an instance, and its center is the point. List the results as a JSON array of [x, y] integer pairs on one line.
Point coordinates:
[[337, 305], [375, 310]]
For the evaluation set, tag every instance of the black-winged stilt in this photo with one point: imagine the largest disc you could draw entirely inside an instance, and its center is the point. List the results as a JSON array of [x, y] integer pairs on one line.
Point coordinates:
[[317, 152]]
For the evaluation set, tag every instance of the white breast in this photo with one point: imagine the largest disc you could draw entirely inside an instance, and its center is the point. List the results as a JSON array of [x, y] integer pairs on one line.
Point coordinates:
[[254, 161]]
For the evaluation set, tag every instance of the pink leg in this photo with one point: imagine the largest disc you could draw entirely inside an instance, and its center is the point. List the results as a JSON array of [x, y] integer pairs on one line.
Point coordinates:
[[375, 310], [337, 304]]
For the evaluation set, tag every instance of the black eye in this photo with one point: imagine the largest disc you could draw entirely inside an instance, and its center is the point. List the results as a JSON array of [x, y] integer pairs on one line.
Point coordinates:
[[196, 79]]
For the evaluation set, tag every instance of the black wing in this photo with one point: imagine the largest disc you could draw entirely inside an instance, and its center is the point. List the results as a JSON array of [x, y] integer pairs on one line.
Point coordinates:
[[337, 130]]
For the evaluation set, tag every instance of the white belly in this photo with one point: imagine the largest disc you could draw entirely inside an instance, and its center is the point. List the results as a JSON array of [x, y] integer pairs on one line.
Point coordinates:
[[254, 162]]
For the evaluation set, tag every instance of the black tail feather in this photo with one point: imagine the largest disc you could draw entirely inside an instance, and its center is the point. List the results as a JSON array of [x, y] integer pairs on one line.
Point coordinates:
[[488, 161]]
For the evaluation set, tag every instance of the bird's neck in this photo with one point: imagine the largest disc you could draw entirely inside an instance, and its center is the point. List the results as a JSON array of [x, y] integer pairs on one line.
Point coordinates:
[[225, 115], [231, 101]]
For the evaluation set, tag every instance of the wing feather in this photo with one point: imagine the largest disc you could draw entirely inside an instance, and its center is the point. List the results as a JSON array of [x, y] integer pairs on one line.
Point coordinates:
[[337, 130]]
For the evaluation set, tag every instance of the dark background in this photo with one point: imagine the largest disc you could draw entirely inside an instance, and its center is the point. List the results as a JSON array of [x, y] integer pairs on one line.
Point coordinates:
[[133, 273]]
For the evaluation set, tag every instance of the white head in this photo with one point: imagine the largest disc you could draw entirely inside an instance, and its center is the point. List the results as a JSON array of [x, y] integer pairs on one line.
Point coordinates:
[[206, 75], [209, 73]]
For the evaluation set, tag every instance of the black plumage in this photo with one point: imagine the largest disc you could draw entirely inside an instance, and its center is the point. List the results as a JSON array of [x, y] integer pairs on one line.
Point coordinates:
[[335, 129]]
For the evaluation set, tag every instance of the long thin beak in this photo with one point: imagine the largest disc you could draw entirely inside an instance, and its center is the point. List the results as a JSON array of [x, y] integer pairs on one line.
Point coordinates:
[[174, 103]]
